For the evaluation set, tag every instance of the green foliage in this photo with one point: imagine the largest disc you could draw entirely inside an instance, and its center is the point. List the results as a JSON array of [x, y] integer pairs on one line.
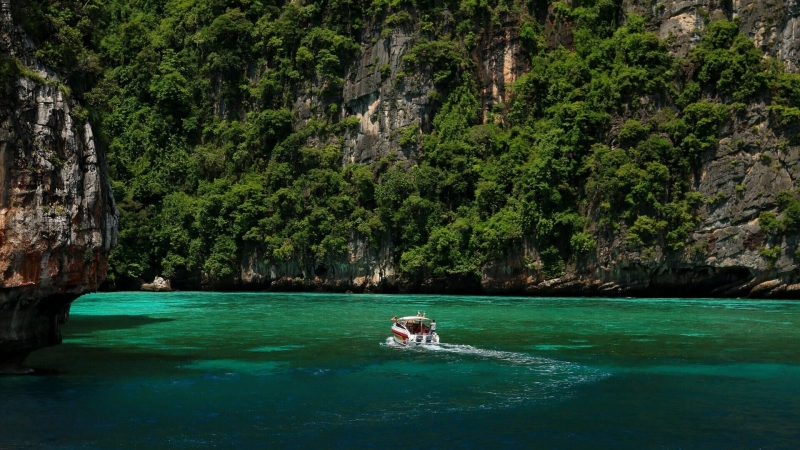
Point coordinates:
[[698, 250], [768, 221], [770, 254], [194, 101], [458, 113], [408, 136], [789, 206], [222, 260], [398, 18], [643, 232], [444, 57], [691, 93], [787, 219], [12, 68], [582, 242], [784, 115], [729, 63], [8, 69], [171, 92], [60, 29], [552, 264], [632, 133], [786, 89]]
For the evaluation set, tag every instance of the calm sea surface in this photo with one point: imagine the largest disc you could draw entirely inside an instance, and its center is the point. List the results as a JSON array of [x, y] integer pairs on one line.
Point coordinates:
[[264, 370]]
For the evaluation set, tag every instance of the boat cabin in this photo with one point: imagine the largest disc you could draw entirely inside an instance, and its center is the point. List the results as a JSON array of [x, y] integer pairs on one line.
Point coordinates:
[[415, 324]]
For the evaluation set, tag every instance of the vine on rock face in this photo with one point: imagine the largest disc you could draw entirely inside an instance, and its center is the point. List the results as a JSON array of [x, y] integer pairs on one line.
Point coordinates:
[[195, 103]]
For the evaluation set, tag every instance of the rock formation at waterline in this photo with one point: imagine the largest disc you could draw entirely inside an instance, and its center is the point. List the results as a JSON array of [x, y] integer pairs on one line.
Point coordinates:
[[58, 220], [159, 284]]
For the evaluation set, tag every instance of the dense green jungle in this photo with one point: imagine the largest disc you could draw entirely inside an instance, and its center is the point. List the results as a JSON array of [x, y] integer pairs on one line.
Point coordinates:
[[192, 103]]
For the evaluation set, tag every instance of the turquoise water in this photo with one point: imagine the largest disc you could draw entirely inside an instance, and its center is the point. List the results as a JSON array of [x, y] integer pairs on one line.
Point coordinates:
[[264, 370]]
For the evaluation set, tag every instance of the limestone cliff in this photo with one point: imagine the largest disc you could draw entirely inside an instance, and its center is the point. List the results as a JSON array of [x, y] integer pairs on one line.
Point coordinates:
[[58, 220], [755, 159], [774, 25], [394, 108], [742, 177]]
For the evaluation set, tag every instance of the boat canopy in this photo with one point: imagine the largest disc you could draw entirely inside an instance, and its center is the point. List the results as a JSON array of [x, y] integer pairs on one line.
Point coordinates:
[[415, 318]]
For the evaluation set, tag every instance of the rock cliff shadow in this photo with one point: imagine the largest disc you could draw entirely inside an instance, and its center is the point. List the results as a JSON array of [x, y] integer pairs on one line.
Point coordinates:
[[85, 356], [90, 360], [79, 325]]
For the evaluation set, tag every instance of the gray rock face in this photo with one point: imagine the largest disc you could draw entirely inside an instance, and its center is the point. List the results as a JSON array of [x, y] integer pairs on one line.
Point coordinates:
[[365, 268], [394, 106], [58, 220], [384, 99], [774, 25], [502, 60]]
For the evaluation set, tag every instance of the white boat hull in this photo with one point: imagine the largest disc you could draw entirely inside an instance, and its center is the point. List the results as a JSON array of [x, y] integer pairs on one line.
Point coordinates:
[[404, 337]]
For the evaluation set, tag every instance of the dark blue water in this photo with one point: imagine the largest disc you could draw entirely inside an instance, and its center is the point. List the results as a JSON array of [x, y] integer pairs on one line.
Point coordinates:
[[214, 370]]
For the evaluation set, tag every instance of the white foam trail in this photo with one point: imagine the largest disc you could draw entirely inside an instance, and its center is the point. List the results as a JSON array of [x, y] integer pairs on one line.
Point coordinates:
[[390, 342], [469, 350], [512, 357], [545, 366]]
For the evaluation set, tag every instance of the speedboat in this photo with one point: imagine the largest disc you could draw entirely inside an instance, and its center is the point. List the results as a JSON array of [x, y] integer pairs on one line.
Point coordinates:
[[414, 330]]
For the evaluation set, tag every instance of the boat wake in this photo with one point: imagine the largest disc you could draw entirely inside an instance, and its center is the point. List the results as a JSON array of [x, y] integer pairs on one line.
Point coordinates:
[[497, 377], [540, 364], [511, 357]]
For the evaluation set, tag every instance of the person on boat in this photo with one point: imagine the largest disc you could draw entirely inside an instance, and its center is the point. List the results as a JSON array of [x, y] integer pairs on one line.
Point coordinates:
[[433, 326], [394, 320]]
